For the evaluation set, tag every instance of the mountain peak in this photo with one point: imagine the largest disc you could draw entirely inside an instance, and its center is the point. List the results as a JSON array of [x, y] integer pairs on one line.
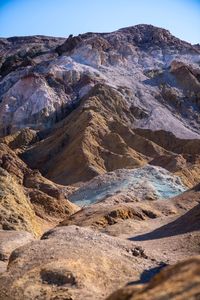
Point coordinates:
[[144, 28], [149, 34]]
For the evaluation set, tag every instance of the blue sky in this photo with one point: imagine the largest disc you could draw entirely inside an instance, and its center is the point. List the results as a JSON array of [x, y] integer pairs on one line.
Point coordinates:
[[64, 17]]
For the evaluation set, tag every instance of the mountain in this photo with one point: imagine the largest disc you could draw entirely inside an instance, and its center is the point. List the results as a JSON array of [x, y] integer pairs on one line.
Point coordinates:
[[102, 100], [156, 74], [99, 166]]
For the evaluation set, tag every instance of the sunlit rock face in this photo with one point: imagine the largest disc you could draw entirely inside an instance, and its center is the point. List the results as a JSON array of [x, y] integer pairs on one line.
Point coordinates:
[[43, 79], [146, 183]]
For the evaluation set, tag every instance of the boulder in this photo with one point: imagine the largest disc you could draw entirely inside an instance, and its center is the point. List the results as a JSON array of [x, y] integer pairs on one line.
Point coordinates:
[[70, 263]]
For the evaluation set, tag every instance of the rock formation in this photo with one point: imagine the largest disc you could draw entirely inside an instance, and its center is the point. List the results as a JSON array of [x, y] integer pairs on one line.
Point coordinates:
[[114, 100], [28, 201], [177, 282], [100, 166], [154, 72], [56, 268]]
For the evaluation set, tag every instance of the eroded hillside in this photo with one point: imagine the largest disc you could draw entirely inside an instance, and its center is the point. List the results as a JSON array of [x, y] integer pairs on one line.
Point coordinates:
[[100, 166]]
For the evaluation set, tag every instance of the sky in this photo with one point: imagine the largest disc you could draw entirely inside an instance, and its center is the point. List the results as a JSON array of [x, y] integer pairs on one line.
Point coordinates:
[[64, 17]]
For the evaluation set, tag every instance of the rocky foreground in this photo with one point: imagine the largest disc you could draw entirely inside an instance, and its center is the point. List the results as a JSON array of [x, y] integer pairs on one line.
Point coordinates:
[[100, 167]]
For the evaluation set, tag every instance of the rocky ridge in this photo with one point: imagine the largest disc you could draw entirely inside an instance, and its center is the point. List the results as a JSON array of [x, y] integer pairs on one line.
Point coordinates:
[[146, 64], [28, 200], [114, 100]]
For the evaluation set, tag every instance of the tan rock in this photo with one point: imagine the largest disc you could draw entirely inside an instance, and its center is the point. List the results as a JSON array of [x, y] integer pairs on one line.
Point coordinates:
[[20, 139], [10, 240], [70, 263], [42, 203], [3, 266], [16, 209], [103, 215], [181, 281]]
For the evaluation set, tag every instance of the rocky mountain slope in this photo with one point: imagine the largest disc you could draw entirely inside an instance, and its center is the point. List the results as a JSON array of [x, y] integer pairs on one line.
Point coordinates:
[[112, 101], [28, 201], [100, 166], [155, 73]]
